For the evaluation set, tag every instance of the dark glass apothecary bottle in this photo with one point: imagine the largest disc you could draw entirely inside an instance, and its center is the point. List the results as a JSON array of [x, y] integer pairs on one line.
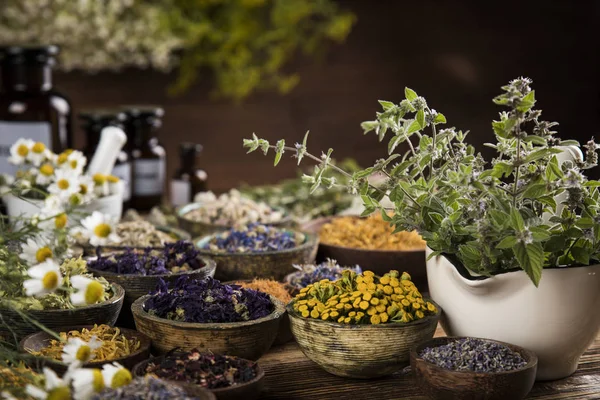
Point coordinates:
[[148, 157], [30, 108], [188, 179], [93, 121]]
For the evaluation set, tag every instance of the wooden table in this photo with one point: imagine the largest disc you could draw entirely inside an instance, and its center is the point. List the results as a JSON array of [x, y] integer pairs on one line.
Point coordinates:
[[292, 376]]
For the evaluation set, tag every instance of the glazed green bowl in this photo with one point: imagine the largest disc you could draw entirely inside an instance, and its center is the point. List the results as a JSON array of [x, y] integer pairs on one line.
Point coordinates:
[[248, 339], [360, 351], [265, 265], [199, 228]]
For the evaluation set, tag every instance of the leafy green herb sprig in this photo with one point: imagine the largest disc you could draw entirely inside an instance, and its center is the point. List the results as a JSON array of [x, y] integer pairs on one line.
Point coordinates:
[[521, 209]]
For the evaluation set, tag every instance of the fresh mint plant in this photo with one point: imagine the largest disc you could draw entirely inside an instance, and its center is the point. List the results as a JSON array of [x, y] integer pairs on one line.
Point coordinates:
[[521, 209]]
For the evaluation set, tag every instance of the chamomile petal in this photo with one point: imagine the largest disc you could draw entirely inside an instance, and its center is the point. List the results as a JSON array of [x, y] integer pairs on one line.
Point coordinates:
[[115, 375], [88, 291]]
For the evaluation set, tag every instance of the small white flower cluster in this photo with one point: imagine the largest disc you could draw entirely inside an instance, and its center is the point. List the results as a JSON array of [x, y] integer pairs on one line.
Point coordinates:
[[78, 383]]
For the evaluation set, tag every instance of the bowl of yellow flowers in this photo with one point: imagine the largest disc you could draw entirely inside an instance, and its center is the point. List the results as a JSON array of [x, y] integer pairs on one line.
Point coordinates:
[[362, 325]]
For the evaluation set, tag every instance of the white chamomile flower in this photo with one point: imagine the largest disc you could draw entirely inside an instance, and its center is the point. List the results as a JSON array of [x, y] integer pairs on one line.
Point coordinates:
[[100, 229], [46, 278], [5, 182], [65, 185], [6, 395], [20, 150], [75, 162], [36, 251], [115, 375], [86, 382], [38, 154], [89, 291], [54, 389], [45, 174], [86, 188], [101, 187], [115, 186], [77, 350]]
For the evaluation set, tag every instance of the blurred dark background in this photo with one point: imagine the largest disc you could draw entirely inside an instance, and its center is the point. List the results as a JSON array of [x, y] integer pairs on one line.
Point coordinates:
[[456, 54]]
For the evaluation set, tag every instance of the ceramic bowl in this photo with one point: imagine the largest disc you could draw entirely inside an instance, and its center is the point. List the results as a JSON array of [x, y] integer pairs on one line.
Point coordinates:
[[198, 228], [137, 286], [249, 339], [101, 313], [360, 351], [244, 391], [443, 384], [39, 340], [266, 265], [378, 261]]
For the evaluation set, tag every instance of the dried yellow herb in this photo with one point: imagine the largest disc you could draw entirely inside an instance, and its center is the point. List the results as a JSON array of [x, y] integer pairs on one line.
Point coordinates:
[[274, 288], [372, 233]]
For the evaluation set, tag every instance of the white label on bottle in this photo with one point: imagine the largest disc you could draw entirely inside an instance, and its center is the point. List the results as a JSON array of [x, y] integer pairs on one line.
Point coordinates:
[[10, 132], [149, 179], [181, 192], [123, 172]]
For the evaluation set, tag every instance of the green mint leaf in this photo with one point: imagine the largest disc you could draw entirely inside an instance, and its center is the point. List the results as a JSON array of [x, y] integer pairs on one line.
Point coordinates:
[[368, 126], [585, 223], [569, 143], [592, 184], [279, 150], [534, 191], [385, 216], [410, 94], [386, 104], [507, 243], [531, 259], [527, 102], [516, 220], [421, 118], [440, 119], [394, 142], [581, 255], [413, 127], [535, 140]]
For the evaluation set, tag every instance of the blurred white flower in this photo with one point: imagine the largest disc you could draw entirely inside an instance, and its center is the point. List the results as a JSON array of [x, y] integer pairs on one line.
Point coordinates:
[[38, 154], [78, 351], [5, 182], [20, 150], [46, 278], [88, 291], [54, 389], [86, 382], [115, 375], [75, 162], [115, 186], [45, 174], [86, 188], [65, 185], [101, 228], [36, 251], [101, 187]]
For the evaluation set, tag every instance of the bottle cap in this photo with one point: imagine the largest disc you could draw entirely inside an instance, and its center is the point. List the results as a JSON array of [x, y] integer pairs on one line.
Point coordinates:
[[188, 148], [29, 54], [96, 119]]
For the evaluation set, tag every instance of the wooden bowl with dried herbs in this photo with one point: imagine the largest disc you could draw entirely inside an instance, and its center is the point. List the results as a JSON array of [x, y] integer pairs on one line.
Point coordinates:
[[207, 315], [461, 368], [372, 244], [258, 251], [139, 271], [125, 346], [156, 389], [227, 377], [362, 325]]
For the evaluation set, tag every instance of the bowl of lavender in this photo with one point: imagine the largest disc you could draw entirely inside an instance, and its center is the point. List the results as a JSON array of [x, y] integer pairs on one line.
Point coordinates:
[[138, 271], [258, 251], [155, 389], [461, 368], [207, 315], [227, 377], [307, 274]]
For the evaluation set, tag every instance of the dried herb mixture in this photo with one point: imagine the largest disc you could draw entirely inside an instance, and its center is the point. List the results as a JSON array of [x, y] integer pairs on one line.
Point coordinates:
[[207, 300], [311, 273], [269, 286], [254, 238], [141, 234], [372, 233], [146, 388], [211, 371], [472, 354], [114, 343], [364, 299], [175, 257]]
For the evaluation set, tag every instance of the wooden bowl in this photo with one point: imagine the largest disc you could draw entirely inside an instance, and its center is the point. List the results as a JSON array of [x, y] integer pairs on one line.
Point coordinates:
[[266, 265], [102, 313], [198, 228], [39, 340], [248, 339], [137, 286], [360, 351], [443, 384], [378, 261], [244, 391]]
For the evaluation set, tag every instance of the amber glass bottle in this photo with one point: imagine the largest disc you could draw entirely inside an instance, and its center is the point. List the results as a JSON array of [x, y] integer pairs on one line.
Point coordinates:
[[188, 179], [29, 106], [148, 157], [93, 121]]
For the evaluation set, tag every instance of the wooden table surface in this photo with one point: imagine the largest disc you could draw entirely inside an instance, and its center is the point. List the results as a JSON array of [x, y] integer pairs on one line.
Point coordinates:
[[292, 376]]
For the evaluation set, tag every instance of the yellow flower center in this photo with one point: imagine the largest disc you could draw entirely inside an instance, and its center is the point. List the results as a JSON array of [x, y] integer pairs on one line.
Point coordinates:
[[59, 393], [38, 147], [60, 221], [47, 169], [99, 179], [73, 164], [50, 280], [22, 150], [43, 254], [62, 184], [94, 292], [102, 230], [75, 199], [83, 353], [62, 158], [98, 382], [121, 378], [112, 179], [83, 189]]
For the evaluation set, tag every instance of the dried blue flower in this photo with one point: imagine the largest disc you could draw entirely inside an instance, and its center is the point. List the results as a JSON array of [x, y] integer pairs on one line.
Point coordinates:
[[147, 388], [311, 273], [254, 238], [207, 300], [175, 257], [476, 355]]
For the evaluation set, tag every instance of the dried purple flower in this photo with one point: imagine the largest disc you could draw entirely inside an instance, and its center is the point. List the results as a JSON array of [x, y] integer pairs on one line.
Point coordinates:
[[311, 273], [471, 354], [147, 388], [254, 238], [207, 300]]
